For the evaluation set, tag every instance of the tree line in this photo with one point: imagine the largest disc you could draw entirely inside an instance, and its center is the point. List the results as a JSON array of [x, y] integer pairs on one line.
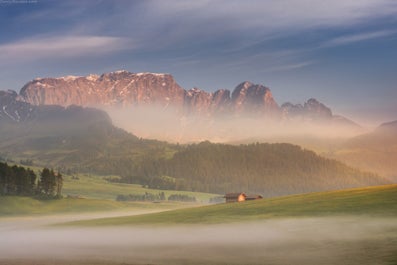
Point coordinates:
[[155, 197], [19, 181], [269, 169]]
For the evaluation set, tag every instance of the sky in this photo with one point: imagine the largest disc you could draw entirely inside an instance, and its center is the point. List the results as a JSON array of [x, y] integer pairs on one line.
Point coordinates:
[[341, 52]]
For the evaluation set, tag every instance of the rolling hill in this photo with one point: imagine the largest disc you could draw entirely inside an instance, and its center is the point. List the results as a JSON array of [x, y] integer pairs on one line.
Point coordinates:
[[375, 151], [73, 138], [369, 201], [78, 139], [268, 169]]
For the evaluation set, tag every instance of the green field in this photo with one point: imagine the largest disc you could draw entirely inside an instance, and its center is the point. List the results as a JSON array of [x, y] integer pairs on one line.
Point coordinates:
[[96, 187], [13, 205], [26, 206], [371, 201], [92, 193]]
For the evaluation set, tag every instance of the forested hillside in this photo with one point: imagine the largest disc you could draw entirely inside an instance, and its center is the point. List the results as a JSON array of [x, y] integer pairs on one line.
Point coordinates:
[[76, 139], [269, 169]]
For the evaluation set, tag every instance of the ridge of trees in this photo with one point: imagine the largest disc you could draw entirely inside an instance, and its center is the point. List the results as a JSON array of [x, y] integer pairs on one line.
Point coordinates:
[[268, 169], [19, 181], [156, 197]]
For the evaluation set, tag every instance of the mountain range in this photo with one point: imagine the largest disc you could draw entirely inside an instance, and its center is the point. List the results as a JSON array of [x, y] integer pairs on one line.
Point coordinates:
[[125, 89], [52, 121], [77, 139]]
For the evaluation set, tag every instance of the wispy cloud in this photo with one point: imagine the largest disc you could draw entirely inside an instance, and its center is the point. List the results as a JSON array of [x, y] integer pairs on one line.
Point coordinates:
[[347, 39], [243, 24], [62, 46], [289, 66], [276, 14]]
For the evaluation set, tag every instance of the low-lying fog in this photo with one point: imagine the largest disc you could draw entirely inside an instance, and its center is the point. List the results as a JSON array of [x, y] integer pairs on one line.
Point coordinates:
[[339, 240], [166, 124]]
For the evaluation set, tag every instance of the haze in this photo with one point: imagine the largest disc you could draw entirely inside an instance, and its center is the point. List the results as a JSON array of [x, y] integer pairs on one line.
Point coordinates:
[[337, 240], [340, 52], [166, 124]]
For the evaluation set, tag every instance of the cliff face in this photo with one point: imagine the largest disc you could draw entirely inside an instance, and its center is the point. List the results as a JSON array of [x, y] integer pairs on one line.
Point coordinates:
[[119, 88], [311, 110], [254, 99], [126, 89], [15, 111], [12, 109]]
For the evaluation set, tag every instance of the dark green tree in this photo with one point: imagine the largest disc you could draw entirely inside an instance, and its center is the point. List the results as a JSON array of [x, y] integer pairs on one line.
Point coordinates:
[[47, 183], [59, 184]]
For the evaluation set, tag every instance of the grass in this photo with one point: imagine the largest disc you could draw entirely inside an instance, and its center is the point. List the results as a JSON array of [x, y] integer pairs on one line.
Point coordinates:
[[96, 194], [96, 187], [23, 206], [15, 205], [371, 201]]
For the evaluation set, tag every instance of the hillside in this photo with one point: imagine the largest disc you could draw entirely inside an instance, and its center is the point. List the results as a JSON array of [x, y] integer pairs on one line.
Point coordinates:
[[76, 139], [375, 151], [369, 201], [268, 169], [153, 105]]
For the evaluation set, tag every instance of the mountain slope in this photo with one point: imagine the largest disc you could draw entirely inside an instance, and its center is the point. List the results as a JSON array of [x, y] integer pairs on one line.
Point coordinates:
[[178, 115], [122, 88], [375, 151], [77, 138], [84, 140], [368, 201], [269, 169]]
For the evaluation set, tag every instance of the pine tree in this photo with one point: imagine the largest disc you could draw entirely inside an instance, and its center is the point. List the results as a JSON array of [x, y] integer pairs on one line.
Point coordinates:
[[47, 183], [59, 184]]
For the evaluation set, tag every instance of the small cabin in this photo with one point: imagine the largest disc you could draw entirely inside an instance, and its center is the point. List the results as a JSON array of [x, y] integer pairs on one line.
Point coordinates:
[[235, 197], [253, 197], [240, 197]]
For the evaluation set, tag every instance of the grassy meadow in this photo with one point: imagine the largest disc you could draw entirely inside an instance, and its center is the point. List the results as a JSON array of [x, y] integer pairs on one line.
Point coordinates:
[[355, 226], [92, 193], [96, 187], [371, 201]]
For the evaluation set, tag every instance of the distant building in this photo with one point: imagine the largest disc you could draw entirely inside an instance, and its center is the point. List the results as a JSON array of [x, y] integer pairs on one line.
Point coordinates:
[[253, 197], [235, 197], [240, 197]]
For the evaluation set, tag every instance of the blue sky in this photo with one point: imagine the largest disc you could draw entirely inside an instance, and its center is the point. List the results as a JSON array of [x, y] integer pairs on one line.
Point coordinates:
[[342, 52]]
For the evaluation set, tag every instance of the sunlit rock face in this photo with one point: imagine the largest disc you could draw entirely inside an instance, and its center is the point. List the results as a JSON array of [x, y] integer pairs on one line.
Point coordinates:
[[255, 99], [158, 99], [122, 88]]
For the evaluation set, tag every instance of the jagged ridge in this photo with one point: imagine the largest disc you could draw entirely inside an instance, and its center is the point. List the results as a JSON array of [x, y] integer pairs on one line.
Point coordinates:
[[122, 88]]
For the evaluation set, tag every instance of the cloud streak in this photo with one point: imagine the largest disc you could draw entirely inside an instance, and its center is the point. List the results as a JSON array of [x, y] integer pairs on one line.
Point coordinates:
[[62, 46], [348, 39], [276, 14]]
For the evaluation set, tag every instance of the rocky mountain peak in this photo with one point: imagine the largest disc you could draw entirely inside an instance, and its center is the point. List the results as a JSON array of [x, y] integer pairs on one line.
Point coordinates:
[[248, 97], [12, 109], [114, 88], [126, 89], [317, 109], [312, 109]]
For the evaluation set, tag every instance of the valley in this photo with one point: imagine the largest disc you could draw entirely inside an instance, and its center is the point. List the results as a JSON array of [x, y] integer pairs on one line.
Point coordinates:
[[319, 228], [198, 132], [77, 139]]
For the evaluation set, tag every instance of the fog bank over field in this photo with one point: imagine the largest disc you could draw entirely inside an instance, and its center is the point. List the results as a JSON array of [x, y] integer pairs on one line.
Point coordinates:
[[155, 122], [336, 240]]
